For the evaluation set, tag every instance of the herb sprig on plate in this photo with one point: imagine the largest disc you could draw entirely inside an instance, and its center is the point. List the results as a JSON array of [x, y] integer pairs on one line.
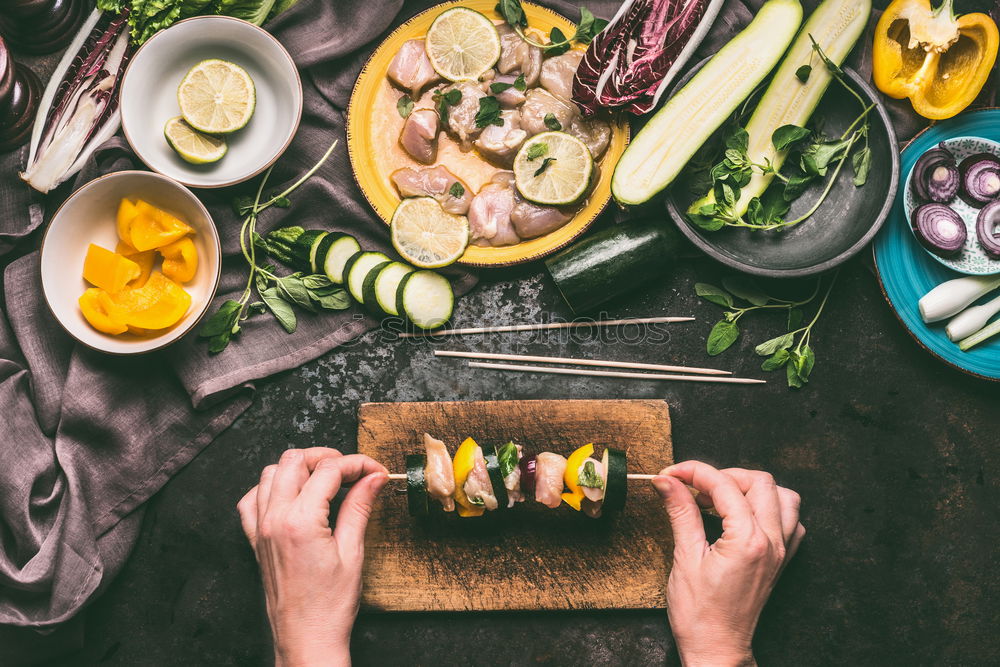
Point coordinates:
[[812, 156], [278, 294], [586, 28], [791, 350]]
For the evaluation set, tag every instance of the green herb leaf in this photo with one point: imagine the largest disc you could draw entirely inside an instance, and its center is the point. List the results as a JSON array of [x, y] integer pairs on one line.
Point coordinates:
[[331, 298], [256, 308], [280, 202], [520, 84], [803, 73], [588, 27], [457, 190], [737, 139], [862, 163], [745, 289], [280, 308], [588, 476], [512, 13], [507, 458], [222, 321], [489, 112], [787, 135], [242, 205], [795, 186], [500, 86], [316, 281], [552, 122], [292, 289], [805, 363], [722, 336], [404, 105], [545, 165], [558, 44], [709, 223], [795, 316], [537, 150], [791, 371], [772, 346], [775, 361], [713, 294], [452, 97]]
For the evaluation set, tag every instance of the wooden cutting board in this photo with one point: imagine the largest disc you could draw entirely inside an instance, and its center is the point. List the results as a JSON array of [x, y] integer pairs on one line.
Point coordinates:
[[530, 557]]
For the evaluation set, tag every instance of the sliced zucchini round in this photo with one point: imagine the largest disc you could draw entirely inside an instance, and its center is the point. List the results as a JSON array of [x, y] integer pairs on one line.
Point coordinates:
[[496, 477], [616, 488], [416, 485], [358, 269], [334, 252], [381, 283], [308, 244], [425, 298]]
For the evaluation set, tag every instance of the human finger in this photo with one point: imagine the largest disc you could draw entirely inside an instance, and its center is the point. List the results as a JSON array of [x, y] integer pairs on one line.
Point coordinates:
[[790, 504], [264, 489], [728, 500], [247, 509], [291, 474], [314, 455], [352, 519], [683, 513], [355, 466], [761, 493], [322, 485], [795, 541]]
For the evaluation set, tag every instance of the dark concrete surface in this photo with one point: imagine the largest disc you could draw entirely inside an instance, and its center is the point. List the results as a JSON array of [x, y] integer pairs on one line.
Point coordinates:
[[895, 455]]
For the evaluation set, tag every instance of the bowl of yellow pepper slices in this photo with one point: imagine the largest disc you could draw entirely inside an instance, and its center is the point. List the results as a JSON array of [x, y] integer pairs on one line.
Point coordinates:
[[130, 262]]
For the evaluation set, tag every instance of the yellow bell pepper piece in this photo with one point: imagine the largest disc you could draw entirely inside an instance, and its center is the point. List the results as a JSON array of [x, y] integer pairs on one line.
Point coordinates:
[[145, 260], [101, 312], [465, 459], [127, 212], [158, 304], [155, 228], [108, 270], [180, 260], [572, 475], [937, 60]]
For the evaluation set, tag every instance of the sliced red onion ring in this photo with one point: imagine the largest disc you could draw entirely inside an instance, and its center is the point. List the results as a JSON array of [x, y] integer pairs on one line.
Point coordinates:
[[988, 229], [939, 228], [980, 176], [935, 176]]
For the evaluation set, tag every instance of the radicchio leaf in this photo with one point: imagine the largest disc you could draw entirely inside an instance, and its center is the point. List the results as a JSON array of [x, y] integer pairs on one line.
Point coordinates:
[[632, 61]]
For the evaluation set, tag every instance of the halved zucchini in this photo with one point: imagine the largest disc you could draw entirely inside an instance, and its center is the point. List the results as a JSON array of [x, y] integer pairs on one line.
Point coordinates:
[[496, 477], [425, 298], [357, 269], [416, 484]]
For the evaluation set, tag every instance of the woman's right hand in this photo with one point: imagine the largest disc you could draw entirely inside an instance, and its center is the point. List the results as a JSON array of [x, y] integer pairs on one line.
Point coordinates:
[[716, 592]]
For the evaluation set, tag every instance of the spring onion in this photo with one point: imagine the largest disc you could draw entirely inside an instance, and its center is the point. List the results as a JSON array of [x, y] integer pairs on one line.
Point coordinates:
[[952, 297], [980, 336], [971, 320]]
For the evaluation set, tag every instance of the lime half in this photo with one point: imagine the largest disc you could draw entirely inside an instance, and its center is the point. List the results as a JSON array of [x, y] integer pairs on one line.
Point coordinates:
[[217, 97], [427, 236], [192, 145], [553, 168], [462, 44]]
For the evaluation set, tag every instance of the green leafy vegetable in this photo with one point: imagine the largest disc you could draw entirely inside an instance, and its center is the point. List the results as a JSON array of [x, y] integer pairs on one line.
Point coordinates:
[[802, 73], [586, 28], [147, 17], [444, 100], [404, 106], [552, 122], [457, 190], [500, 86], [588, 476], [519, 83], [278, 293], [507, 458], [545, 165], [489, 112], [536, 151], [786, 135]]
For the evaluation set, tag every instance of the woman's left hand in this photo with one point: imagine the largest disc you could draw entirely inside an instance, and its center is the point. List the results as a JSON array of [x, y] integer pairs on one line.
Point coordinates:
[[311, 568]]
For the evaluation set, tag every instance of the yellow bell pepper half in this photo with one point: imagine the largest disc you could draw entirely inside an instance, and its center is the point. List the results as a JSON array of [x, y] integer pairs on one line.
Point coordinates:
[[572, 475], [180, 260], [108, 270], [939, 61], [155, 228], [101, 312], [465, 459]]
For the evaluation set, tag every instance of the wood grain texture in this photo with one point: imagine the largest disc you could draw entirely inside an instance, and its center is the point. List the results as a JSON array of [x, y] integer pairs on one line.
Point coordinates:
[[530, 557]]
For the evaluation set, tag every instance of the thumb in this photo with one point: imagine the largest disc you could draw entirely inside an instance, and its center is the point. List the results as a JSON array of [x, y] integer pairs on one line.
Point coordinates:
[[352, 520], [683, 512]]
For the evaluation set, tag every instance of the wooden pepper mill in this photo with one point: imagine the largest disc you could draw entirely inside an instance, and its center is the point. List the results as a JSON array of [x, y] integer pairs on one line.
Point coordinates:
[[20, 91], [42, 26]]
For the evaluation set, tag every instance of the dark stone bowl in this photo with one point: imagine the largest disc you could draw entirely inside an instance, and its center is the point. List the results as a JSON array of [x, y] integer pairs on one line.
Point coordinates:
[[845, 222]]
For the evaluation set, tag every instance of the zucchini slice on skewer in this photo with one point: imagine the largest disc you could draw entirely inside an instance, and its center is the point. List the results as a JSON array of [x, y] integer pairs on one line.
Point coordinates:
[[616, 488], [496, 477], [416, 484]]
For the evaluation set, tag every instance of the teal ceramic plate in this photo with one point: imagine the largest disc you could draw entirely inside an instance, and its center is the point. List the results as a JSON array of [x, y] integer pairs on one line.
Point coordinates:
[[973, 259], [906, 272]]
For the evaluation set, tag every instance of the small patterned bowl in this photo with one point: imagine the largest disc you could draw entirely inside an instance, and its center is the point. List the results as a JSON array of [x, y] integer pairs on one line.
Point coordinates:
[[972, 259]]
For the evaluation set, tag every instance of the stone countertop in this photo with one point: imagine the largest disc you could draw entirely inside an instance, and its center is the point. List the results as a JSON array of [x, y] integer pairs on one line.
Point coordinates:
[[895, 456]]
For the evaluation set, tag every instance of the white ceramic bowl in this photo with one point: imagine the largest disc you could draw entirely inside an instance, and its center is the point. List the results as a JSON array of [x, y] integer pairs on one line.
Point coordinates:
[[88, 216], [149, 98]]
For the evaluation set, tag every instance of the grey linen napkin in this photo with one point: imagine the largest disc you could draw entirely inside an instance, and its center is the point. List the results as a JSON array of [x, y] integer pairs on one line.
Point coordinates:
[[88, 438]]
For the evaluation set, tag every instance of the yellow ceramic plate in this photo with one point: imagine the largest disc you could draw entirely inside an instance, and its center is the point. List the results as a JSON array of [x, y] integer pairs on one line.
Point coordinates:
[[373, 126]]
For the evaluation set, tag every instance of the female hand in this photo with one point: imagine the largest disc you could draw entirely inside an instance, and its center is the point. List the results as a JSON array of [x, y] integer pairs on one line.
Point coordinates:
[[716, 591], [311, 571]]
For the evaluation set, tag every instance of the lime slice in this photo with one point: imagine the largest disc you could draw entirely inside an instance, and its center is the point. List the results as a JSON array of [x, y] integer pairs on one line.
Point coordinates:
[[462, 44], [553, 168], [427, 236], [192, 145], [217, 96]]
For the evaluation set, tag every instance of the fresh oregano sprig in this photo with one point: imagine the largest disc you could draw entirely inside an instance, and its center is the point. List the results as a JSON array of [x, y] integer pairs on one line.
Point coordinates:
[[278, 293], [791, 350], [586, 28]]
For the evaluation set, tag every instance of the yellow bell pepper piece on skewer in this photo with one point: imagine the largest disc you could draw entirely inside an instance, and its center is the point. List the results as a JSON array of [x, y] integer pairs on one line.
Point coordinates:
[[572, 475], [464, 461]]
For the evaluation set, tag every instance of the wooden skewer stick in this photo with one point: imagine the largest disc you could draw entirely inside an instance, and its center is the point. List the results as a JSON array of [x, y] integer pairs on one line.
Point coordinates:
[[579, 362], [402, 476], [544, 325], [612, 374]]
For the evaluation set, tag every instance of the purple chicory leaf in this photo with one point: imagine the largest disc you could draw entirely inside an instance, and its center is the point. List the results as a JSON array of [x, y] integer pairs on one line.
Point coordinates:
[[633, 60], [80, 111]]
